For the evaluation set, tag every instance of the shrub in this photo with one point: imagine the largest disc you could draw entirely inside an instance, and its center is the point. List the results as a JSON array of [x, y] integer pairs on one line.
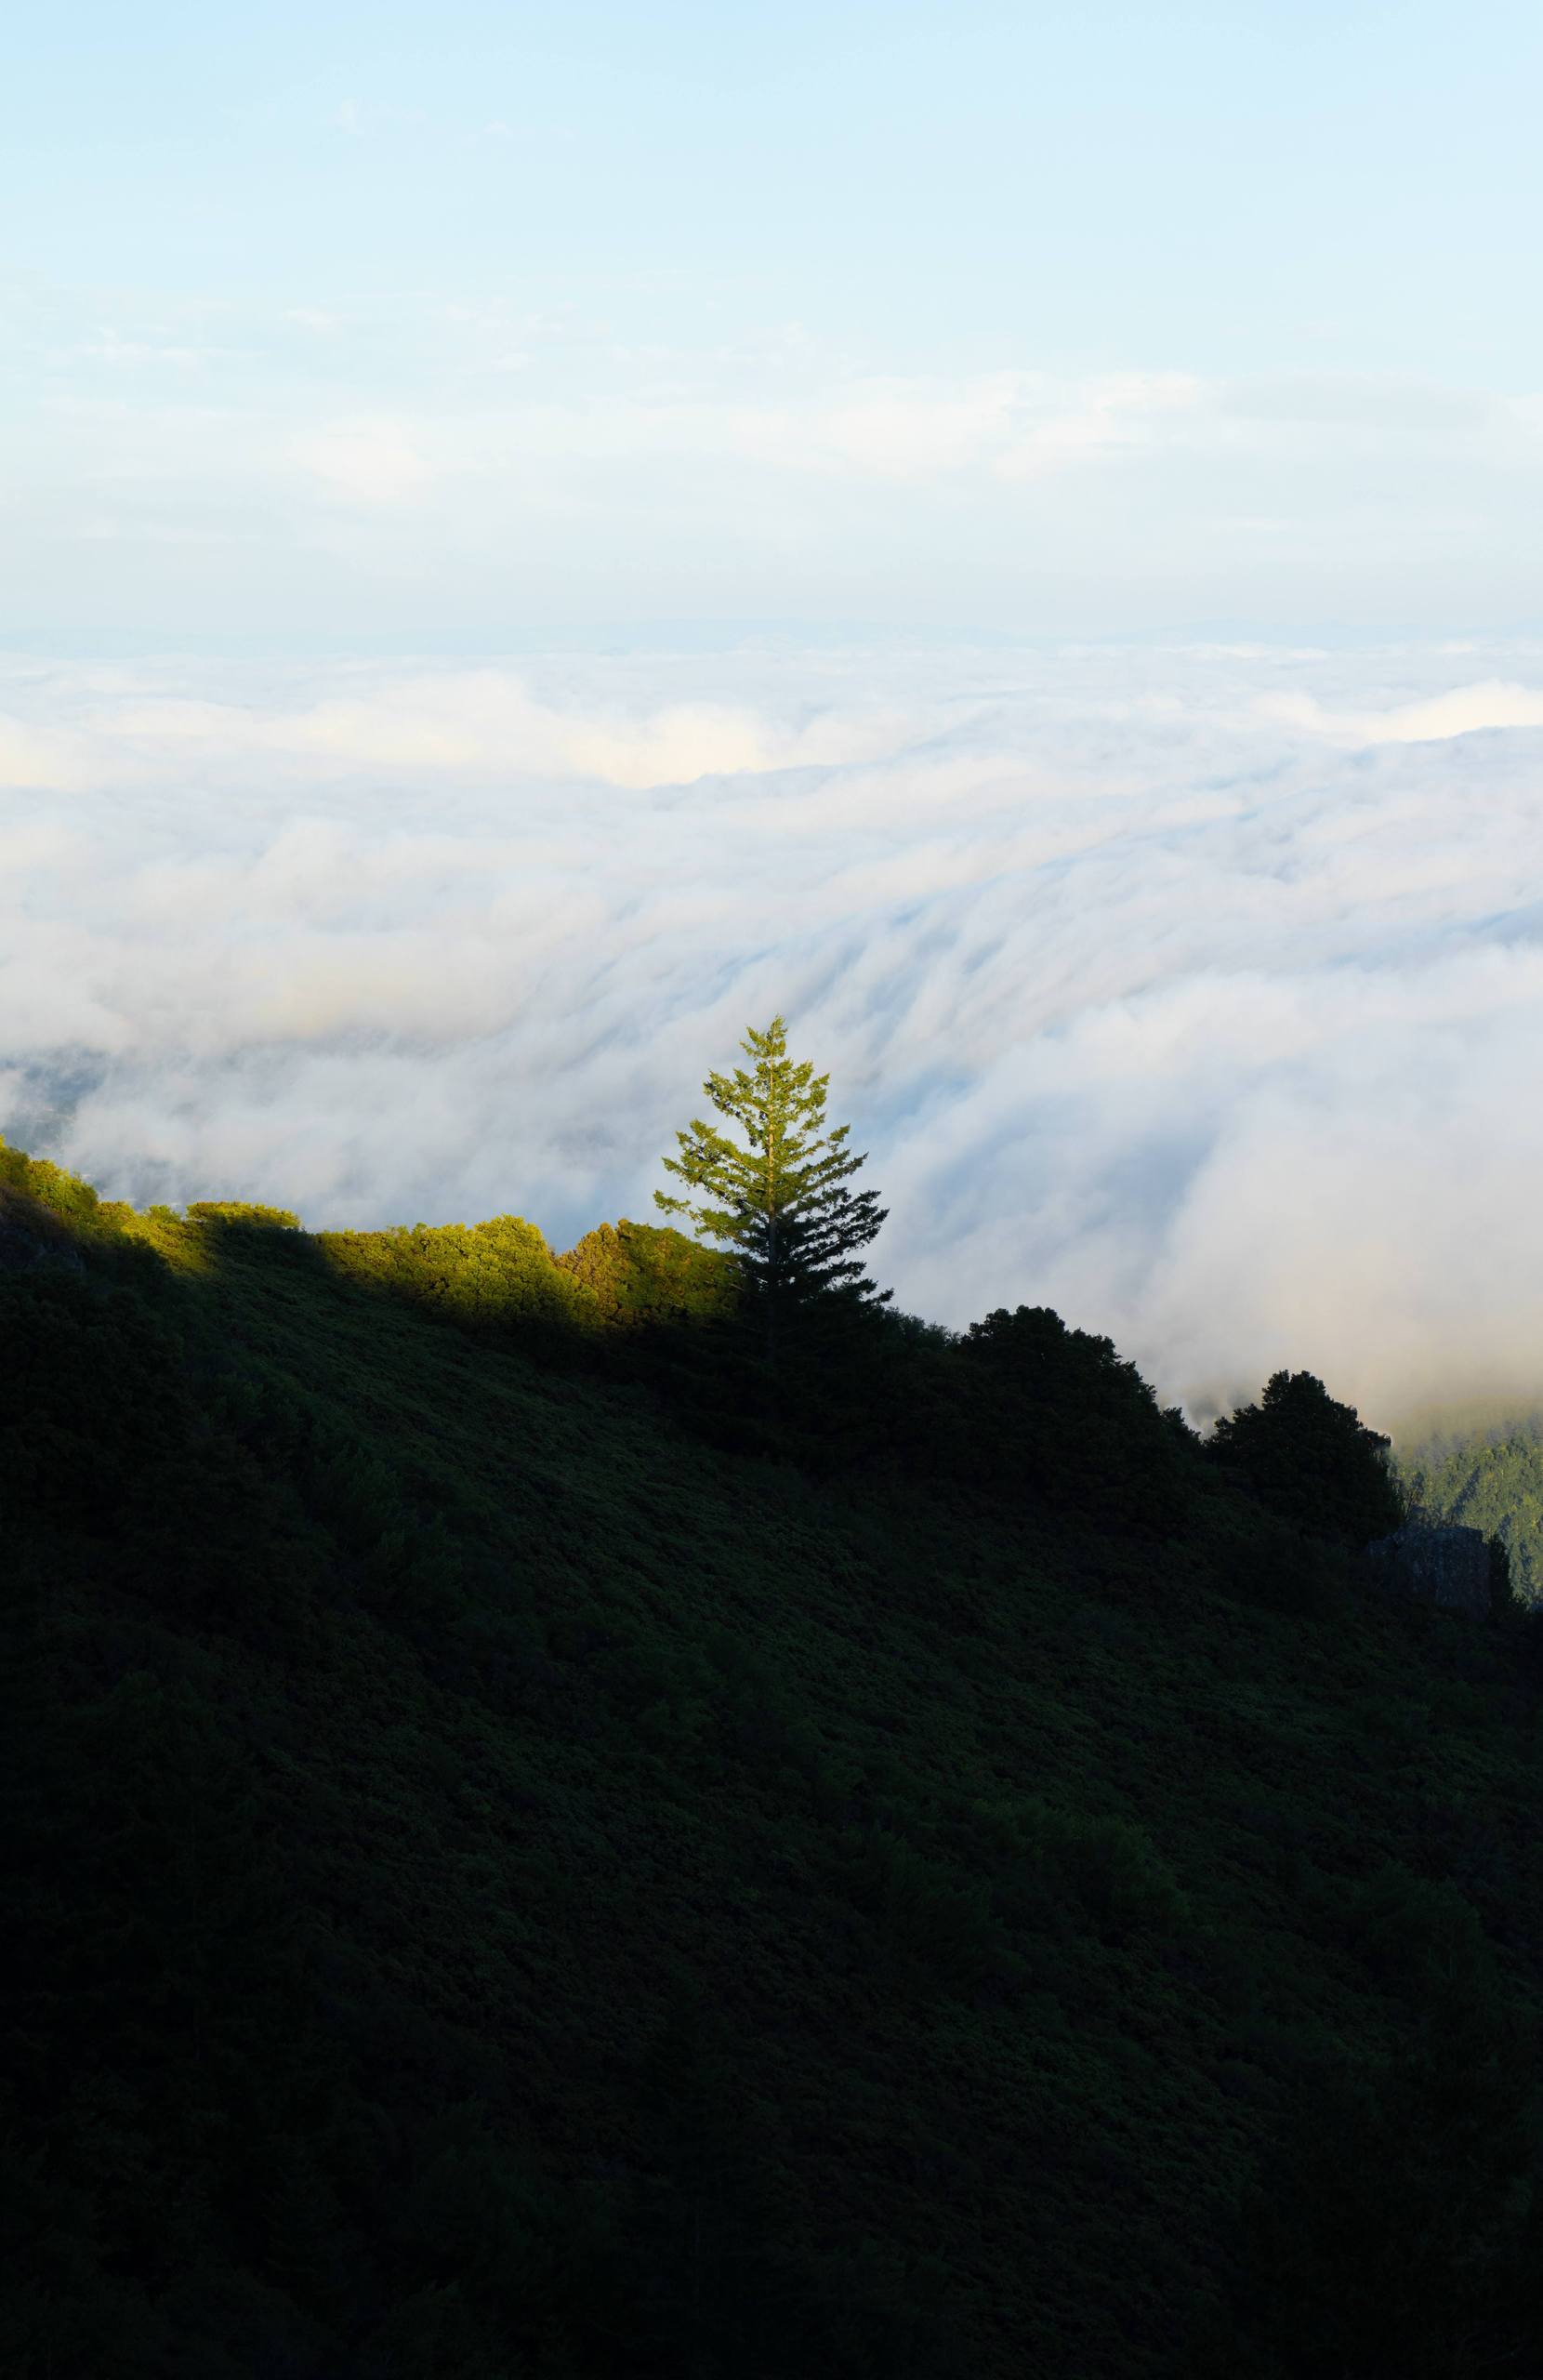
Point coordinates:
[[1103, 1870], [1419, 1935], [48, 1186], [238, 1210], [90, 1396], [640, 1273], [493, 1275], [1027, 1408], [920, 1908], [1310, 1460]]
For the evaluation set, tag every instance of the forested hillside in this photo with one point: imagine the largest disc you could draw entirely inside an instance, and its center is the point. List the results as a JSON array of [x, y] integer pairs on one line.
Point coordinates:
[[538, 1846], [1492, 1480]]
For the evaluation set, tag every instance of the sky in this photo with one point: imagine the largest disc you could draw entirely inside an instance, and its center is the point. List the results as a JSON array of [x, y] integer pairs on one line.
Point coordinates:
[[440, 329], [535, 539]]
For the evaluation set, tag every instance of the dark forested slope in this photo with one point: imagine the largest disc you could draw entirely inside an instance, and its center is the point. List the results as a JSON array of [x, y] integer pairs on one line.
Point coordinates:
[[527, 1855]]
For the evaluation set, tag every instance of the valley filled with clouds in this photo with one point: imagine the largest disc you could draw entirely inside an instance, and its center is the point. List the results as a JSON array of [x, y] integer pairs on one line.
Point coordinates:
[[1193, 990]]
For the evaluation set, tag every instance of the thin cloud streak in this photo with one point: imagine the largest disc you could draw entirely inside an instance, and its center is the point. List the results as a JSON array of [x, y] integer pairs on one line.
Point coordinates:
[[424, 465], [1195, 992]]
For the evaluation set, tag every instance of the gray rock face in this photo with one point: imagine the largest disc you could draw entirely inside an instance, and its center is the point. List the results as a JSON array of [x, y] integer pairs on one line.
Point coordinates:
[[1448, 1566]]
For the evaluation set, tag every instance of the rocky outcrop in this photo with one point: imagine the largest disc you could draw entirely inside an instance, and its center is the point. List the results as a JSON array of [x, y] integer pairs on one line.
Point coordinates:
[[1450, 1567]]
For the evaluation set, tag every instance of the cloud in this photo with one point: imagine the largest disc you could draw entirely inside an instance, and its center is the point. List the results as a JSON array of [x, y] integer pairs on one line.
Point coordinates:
[[890, 429], [364, 462], [1120, 414], [1010, 425], [109, 347], [471, 723], [1194, 991], [1466, 710], [421, 464], [42, 760]]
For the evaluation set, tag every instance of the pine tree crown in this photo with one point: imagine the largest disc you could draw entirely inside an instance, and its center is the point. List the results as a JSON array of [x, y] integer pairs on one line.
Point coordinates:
[[780, 1197]]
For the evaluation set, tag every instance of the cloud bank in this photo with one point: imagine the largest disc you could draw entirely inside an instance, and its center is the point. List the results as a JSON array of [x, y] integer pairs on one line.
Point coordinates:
[[1195, 992]]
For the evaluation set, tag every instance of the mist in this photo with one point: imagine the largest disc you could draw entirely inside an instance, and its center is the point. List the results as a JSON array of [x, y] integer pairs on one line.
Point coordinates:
[[1194, 990]]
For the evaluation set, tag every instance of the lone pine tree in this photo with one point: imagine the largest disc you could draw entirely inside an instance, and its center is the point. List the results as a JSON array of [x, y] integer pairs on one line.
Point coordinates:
[[780, 1199]]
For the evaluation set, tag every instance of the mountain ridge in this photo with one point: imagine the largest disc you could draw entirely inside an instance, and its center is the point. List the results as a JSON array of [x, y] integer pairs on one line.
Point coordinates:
[[555, 1883]]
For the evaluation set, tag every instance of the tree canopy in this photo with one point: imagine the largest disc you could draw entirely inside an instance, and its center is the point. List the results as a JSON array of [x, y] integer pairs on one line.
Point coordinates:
[[1311, 1461]]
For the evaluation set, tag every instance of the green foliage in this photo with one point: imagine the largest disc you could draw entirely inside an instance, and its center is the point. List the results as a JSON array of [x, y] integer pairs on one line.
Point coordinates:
[[1396, 2228], [47, 1185], [1503, 1597], [1025, 1409], [641, 1277], [240, 1210], [505, 1877], [494, 1276], [90, 1394], [1311, 1462], [1489, 1483], [778, 1198]]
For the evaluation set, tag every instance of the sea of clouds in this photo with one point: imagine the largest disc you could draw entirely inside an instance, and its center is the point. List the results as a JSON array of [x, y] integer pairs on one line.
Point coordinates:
[[1195, 991]]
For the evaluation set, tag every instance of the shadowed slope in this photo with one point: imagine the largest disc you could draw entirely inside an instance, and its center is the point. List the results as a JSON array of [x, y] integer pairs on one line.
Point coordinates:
[[510, 1886]]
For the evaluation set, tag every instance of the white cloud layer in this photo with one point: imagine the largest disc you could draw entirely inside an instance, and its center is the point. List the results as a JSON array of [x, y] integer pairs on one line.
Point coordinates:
[[1196, 992]]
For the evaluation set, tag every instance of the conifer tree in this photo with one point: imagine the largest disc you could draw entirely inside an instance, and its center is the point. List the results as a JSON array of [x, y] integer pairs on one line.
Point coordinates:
[[780, 1199]]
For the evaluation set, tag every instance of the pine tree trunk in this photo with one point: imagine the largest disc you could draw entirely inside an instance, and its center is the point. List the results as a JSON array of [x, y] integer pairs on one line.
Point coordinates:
[[774, 1290]]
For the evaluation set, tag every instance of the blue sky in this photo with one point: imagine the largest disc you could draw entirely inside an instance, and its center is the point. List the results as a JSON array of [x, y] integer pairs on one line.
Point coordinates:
[[395, 323]]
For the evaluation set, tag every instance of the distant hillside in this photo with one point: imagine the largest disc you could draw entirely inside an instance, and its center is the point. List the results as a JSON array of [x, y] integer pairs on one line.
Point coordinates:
[[534, 1849], [1491, 1480]]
